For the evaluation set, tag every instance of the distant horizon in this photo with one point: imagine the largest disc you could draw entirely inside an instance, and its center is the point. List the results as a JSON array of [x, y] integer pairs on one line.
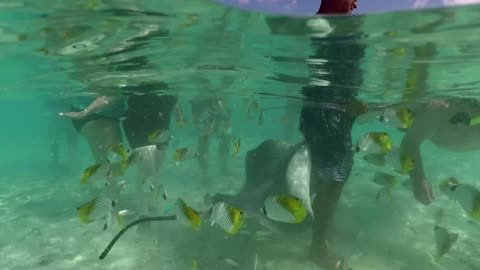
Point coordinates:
[[310, 7]]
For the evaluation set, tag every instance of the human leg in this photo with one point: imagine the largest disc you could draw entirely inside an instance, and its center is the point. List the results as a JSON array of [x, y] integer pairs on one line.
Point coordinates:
[[324, 208], [327, 132], [147, 114]]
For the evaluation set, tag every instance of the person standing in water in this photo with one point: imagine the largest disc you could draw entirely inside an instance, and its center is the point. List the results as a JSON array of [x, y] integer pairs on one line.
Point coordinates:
[[326, 121], [211, 118], [451, 124], [327, 129]]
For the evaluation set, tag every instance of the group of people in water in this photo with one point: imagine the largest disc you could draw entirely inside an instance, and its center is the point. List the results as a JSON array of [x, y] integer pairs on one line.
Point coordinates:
[[326, 120]]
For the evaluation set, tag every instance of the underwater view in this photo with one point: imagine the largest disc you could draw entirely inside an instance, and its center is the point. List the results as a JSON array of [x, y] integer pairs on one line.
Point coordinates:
[[190, 134]]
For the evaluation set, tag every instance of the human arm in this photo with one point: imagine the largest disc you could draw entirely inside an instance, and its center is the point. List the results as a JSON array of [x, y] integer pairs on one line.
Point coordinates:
[[426, 123], [98, 104]]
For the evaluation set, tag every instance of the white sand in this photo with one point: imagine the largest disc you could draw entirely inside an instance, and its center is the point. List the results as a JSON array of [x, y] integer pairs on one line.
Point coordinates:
[[40, 229]]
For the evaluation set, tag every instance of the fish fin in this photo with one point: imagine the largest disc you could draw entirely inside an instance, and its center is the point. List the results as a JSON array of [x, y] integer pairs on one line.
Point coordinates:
[[85, 210], [88, 172]]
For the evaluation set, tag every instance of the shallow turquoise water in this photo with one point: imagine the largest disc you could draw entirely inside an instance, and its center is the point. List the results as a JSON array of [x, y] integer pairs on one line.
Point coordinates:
[[57, 51]]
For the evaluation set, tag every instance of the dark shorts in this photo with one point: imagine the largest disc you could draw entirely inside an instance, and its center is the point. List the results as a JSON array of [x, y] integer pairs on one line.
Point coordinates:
[[80, 123], [327, 132], [146, 114]]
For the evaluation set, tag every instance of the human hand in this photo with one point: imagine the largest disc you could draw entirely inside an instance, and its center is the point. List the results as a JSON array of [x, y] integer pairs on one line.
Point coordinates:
[[422, 190], [74, 115]]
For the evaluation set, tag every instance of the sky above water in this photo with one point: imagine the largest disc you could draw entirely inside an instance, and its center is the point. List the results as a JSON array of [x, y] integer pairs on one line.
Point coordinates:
[[309, 7]]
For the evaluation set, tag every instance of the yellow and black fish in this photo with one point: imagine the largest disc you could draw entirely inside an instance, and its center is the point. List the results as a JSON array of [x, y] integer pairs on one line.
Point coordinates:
[[184, 154], [117, 153], [131, 160], [159, 136], [102, 209], [95, 209], [374, 143], [98, 170], [236, 148], [400, 160], [466, 195], [187, 215], [401, 118], [284, 208], [227, 217]]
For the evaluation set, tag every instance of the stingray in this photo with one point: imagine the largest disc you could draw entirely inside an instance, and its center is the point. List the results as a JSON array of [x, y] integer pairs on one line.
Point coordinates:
[[274, 167]]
